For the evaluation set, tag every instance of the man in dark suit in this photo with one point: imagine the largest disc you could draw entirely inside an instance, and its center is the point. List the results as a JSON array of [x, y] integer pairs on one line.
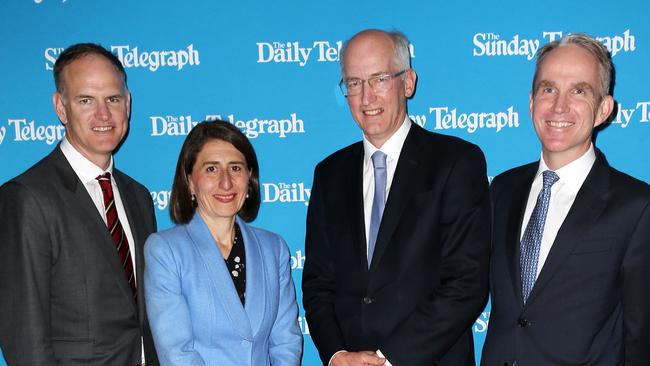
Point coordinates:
[[397, 237], [71, 237], [570, 268]]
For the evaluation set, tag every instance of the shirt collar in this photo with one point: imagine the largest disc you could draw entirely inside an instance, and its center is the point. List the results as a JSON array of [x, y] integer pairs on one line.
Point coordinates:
[[574, 173], [85, 169], [393, 146]]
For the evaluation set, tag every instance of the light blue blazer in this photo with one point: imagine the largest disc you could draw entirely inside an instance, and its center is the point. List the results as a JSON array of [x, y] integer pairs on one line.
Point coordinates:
[[194, 312]]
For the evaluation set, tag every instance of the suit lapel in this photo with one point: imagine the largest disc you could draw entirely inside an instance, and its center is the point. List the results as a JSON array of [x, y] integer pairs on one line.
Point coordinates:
[[135, 219], [255, 278], [356, 210], [401, 191], [217, 273], [585, 210], [93, 224], [514, 218]]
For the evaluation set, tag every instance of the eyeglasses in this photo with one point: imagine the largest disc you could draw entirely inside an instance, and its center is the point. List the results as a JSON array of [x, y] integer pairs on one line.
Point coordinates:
[[379, 84]]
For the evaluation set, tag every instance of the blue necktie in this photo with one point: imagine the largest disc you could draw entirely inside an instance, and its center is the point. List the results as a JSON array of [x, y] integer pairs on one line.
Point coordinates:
[[532, 239], [378, 201]]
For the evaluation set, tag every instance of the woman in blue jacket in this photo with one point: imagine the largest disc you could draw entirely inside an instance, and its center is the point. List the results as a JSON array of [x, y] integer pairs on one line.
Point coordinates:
[[218, 291]]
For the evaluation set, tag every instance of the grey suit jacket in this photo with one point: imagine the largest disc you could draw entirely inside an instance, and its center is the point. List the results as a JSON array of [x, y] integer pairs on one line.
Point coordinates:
[[64, 299]]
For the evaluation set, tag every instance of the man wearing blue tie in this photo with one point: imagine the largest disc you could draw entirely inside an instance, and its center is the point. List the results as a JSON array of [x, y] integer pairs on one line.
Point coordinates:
[[570, 264], [397, 229]]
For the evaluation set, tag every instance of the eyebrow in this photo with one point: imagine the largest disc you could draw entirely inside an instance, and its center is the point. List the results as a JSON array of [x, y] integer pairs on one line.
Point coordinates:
[[216, 162], [583, 85], [544, 83], [380, 73]]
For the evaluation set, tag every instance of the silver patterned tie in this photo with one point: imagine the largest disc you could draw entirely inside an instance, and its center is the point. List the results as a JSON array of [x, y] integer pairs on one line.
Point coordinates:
[[378, 201], [532, 239]]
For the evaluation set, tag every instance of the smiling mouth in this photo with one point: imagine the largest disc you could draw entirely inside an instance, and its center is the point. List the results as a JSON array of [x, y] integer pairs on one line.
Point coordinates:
[[102, 128], [224, 198], [373, 112], [559, 124]]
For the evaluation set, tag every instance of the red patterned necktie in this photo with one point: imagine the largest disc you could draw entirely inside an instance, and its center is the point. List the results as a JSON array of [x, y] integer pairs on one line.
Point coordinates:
[[116, 230]]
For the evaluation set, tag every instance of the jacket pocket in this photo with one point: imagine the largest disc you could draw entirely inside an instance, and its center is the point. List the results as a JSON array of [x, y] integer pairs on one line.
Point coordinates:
[[72, 348]]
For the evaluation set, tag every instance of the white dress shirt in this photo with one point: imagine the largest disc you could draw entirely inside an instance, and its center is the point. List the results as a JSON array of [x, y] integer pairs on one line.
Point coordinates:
[[563, 193], [392, 148], [88, 173]]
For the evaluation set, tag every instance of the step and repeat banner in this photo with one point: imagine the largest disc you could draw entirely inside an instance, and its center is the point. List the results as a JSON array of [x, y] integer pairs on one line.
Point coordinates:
[[271, 68]]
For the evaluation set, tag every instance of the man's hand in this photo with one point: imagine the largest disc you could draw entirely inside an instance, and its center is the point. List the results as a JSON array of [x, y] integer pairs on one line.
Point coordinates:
[[365, 358]]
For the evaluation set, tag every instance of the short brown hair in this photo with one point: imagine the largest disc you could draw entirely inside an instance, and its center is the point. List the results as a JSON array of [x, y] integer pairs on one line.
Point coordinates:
[[182, 208], [589, 44], [79, 50]]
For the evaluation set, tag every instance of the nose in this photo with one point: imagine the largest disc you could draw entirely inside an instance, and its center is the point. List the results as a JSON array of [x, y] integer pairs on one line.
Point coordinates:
[[561, 103], [103, 112], [225, 180], [367, 93]]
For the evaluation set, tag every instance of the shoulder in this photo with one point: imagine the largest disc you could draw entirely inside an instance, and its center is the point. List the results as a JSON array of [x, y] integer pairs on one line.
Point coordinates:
[[37, 182], [40, 176], [341, 157], [438, 143], [514, 177], [629, 186]]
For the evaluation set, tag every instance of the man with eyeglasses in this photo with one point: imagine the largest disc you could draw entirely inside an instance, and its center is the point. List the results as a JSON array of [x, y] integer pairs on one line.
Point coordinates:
[[398, 231]]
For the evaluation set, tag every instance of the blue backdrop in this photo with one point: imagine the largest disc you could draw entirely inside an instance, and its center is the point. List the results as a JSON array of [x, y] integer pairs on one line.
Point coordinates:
[[271, 68]]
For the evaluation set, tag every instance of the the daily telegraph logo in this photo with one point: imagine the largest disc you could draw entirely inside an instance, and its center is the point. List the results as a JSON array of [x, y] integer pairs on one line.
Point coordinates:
[[136, 57], [254, 127], [641, 110], [285, 193], [24, 130], [494, 44], [295, 52], [451, 118]]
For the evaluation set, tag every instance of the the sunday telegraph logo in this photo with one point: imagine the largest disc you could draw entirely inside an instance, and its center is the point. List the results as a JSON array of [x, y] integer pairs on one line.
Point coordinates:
[[280, 127], [494, 44], [297, 53], [136, 57]]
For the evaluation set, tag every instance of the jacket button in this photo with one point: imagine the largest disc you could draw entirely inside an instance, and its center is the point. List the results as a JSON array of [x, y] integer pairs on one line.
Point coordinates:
[[523, 322], [367, 300]]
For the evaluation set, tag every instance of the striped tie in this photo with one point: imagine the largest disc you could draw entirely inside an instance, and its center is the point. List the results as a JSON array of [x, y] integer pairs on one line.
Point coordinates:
[[116, 230]]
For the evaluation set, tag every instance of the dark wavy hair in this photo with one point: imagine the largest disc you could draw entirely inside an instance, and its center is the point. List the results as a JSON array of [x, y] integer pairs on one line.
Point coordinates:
[[182, 208]]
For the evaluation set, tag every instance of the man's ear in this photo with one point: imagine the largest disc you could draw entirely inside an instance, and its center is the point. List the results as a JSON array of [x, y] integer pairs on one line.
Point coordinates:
[[128, 104], [59, 107], [410, 79], [604, 110]]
